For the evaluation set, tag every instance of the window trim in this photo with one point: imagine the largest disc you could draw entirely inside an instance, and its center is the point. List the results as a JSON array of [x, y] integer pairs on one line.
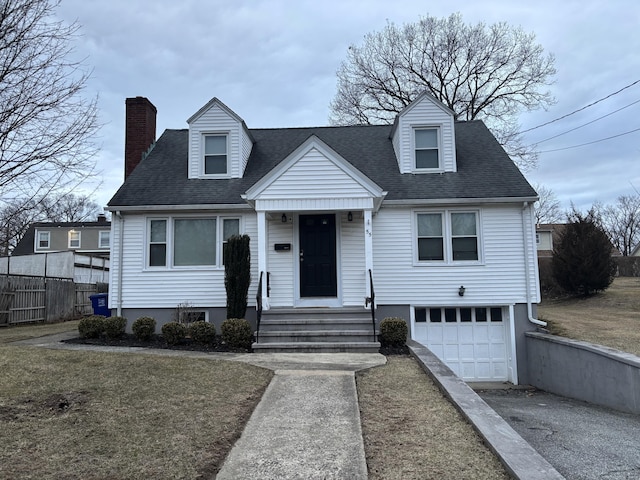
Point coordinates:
[[169, 242], [414, 149], [100, 236], [448, 237], [203, 137], [69, 234], [48, 234]]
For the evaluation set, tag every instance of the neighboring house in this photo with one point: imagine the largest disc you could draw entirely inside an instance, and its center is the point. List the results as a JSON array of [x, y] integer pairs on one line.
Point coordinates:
[[546, 234], [431, 209], [636, 251], [91, 238]]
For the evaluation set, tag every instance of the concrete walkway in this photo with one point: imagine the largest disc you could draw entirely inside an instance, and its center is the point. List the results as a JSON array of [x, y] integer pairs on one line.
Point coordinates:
[[306, 426]]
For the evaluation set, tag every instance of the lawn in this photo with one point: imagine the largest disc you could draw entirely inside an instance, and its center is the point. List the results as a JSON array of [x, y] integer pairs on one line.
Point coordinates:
[[24, 332], [90, 415], [411, 431], [610, 318]]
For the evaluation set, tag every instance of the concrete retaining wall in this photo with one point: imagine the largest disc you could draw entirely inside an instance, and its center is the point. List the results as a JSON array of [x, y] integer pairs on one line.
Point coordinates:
[[581, 370]]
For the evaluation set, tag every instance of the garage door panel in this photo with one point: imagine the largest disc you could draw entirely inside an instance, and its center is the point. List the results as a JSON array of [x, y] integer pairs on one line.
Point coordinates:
[[481, 350], [467, 352], [474, 350]]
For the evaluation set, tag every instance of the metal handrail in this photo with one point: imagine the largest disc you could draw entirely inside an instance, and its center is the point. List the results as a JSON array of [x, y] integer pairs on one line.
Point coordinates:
[[259, 308], [372, 300]]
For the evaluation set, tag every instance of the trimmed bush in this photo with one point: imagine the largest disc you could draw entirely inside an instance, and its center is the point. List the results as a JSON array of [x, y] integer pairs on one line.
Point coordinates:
[[114, 327], [393, 331], [144, 328], [202, 332], [236, 332], [237, 274], [91, 326], [174, 332]]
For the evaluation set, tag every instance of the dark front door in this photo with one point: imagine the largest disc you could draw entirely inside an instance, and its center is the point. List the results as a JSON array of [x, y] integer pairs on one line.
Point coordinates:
[[318, 255]]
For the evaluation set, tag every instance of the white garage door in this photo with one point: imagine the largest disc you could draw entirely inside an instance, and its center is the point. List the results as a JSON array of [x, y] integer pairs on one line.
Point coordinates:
[[471, 341]]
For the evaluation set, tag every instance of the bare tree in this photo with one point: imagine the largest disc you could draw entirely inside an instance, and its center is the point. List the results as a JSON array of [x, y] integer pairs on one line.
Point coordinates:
[[47, 126], [547, 208], [15, 218], [621, 221], [69, 208], [480, 72]]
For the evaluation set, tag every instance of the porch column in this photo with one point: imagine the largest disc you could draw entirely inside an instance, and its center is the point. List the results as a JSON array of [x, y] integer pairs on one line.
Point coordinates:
[[263, 242], [368, 249]]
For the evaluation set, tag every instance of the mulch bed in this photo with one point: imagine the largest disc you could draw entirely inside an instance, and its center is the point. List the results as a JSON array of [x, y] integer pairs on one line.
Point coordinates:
[[129, 340], [156, 341]]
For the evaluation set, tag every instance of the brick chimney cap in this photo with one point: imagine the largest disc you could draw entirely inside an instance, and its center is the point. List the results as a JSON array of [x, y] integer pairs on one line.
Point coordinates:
[[140, 101]]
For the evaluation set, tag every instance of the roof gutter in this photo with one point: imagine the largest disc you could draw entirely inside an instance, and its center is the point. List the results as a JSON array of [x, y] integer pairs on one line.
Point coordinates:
[[525, 236], [182, 208], [456, 201]]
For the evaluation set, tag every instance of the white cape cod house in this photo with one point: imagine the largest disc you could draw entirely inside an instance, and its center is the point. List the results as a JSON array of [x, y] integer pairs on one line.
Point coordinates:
[[427, 217]]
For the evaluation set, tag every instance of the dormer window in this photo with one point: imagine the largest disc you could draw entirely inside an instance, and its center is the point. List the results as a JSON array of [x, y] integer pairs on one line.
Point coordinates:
[[215, 154], [427, 151]]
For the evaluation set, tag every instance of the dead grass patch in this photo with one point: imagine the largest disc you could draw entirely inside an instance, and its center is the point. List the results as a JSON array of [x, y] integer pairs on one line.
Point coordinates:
[[411, 431], [15, 333], [610, 318], [90, 415]]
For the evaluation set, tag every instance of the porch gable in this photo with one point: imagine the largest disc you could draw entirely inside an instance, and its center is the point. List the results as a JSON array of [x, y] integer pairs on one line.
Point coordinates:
[[315, 177]]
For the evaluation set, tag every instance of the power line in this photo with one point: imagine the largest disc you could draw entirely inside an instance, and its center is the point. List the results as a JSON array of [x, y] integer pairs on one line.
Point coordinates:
[[591, 143], [588, 123], [580, 109]]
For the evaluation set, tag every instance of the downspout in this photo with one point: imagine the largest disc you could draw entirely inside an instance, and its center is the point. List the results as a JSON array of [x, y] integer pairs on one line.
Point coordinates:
[[525, 235], [120, 252]]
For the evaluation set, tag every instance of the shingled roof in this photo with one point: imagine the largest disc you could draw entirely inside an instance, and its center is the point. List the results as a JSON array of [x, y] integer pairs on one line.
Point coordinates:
[[484, 169]]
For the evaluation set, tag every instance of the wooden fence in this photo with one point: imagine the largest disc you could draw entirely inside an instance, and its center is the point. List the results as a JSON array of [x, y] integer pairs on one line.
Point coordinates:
[[36, 299]]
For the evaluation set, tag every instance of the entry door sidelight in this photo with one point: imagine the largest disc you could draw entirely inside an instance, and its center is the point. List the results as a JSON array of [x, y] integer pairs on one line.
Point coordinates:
[[318, 255]]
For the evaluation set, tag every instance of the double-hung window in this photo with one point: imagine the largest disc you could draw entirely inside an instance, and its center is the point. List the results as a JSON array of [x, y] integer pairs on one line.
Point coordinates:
[[44, 240], [447, 236], [158, 243], [74, 239], [427, 152], [430, 237], [464, 236], [189, 241], [215, 154], [103, 239]]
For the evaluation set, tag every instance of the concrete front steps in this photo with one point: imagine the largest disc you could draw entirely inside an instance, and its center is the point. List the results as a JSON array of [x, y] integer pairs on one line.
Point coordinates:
[[316, 330]]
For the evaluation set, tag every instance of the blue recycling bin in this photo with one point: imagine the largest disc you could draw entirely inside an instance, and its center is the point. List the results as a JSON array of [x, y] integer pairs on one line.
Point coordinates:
[[100, 304]]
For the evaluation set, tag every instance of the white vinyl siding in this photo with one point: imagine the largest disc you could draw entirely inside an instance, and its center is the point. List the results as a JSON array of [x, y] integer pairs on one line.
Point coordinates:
[[166, 288], [280, 264], [352, 262], [499, 279], [300, 181], [247, 145]]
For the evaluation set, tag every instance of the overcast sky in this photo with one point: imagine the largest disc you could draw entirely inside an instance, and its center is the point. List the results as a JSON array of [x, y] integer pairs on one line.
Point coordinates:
[[274, 61]]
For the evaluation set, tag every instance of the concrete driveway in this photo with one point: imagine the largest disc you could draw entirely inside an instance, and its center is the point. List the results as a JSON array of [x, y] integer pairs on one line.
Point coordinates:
[[580, 440]]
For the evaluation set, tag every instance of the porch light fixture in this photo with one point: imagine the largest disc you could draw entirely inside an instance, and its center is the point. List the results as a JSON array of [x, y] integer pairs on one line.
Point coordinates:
[[350, 217], [284, 218], [461, 290]]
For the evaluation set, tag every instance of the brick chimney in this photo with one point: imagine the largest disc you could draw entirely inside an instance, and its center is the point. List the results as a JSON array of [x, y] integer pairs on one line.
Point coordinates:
[[140, 131]]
